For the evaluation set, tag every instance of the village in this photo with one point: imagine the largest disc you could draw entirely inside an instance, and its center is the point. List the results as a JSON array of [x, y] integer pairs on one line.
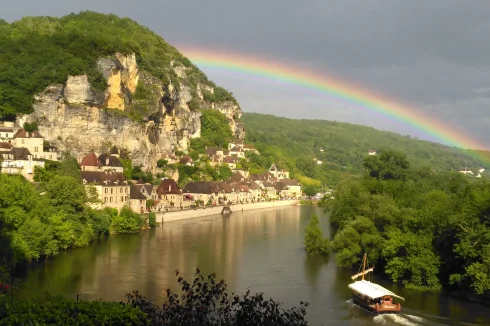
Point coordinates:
[[23, 150]]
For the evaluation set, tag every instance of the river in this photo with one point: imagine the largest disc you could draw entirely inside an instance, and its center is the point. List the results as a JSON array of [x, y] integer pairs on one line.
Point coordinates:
[[259, 249]]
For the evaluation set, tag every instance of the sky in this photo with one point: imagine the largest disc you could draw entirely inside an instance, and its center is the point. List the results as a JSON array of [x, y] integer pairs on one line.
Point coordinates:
[[432, 56]]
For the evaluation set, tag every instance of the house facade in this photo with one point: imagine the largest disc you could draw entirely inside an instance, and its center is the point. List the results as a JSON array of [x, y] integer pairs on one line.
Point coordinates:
[[34, 142], [16, 160], [112, 188]]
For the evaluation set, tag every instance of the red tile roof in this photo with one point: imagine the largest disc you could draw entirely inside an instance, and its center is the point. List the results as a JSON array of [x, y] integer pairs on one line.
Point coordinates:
[[90, 160], [22, 133]]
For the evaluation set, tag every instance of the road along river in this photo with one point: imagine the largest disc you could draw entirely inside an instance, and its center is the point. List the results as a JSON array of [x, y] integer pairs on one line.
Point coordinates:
[[260, 249]]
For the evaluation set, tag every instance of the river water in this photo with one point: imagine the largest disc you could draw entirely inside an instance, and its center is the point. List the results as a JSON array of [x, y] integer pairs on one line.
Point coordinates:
[[258, 249]]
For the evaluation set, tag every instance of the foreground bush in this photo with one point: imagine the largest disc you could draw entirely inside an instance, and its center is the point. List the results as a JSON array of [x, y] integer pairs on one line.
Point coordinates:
[[207, 302], [57, 310]]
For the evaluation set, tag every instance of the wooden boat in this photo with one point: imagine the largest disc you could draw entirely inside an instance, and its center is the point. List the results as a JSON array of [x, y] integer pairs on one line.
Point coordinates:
[[371, 296]]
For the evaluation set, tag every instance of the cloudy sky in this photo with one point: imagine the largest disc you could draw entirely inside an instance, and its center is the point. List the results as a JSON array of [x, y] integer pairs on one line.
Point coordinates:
[[432, 56]]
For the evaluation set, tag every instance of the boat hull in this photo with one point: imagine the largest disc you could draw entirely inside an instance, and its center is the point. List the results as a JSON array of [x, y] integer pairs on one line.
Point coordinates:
[[376, 309]]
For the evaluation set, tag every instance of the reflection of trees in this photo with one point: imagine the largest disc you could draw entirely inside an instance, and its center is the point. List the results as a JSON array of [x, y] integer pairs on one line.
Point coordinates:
[[110, 268], [313, 265]]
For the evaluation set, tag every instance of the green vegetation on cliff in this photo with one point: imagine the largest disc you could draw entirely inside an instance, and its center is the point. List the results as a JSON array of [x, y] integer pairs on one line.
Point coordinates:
[[36, 52], [425, 230], [295, 143]]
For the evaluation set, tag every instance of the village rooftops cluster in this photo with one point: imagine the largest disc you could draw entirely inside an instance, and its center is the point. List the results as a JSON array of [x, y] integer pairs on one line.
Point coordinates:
[[21, 151], [104, 173]]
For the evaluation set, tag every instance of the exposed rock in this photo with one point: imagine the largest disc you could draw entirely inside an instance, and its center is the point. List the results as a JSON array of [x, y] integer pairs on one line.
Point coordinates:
[[79, 91], [74, 117]]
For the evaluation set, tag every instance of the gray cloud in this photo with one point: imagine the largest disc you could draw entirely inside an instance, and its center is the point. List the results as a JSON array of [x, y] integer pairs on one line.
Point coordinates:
[[432, 55]]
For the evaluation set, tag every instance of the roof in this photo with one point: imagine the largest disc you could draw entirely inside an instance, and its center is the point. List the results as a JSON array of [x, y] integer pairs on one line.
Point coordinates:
[[135, 193], [109, 160], [185, 160], [167, 187], [231, 159], [19, 153], [202, 187], [104, 178], [90, 160], [372, 290], [6, 145], [22, 133], [213, 150], [236, 149], [114, 150], [6, 129]]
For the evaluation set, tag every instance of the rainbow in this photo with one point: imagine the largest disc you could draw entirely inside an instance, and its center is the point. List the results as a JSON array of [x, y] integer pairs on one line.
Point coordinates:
[[333, 87]]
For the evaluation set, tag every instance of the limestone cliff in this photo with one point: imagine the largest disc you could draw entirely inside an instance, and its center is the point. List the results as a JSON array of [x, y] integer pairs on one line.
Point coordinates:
[[137, 112]]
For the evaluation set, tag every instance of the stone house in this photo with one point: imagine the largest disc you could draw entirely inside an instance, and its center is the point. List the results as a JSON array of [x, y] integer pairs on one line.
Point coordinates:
[[170, 195], [270, 192], [232, 161], [34, 142], [237, 151], [288, 188], [112, 188], [16, 160], [205, 191], [277, 173], [110, 162], [137, 200], [7, 131]]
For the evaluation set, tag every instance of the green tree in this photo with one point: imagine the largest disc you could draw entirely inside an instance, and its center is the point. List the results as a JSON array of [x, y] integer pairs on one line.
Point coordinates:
[[314, 240]]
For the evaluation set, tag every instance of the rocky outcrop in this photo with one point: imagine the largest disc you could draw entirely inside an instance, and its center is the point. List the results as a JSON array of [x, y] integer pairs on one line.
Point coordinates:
[[77, 118]]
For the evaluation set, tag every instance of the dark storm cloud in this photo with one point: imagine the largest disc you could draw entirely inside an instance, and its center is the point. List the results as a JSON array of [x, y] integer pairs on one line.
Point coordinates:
[[433, 55]]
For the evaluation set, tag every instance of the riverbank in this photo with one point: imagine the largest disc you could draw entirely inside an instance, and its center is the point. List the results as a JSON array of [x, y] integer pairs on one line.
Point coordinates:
[[207, 211]]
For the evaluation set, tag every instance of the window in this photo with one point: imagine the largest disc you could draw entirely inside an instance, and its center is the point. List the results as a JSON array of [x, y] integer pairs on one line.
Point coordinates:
[[110, 200], [106, 190], [105, 199], [121, 191], [112, 190], [23, 141], [122, 199], [36, 149]]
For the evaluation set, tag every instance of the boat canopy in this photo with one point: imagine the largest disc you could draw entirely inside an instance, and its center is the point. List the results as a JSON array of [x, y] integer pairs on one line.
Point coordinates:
[[372, 290]]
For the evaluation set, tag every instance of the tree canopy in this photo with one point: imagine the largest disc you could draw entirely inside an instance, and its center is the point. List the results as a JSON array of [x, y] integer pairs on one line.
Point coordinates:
[[36, 52], [427, 231], [297, 145]]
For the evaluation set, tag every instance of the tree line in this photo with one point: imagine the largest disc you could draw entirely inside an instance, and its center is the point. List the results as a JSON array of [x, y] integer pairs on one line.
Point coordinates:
[[341, 148], [424, 229]]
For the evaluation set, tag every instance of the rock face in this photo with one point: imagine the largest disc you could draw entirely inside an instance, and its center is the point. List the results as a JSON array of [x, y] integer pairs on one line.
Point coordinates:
[[77, 118]]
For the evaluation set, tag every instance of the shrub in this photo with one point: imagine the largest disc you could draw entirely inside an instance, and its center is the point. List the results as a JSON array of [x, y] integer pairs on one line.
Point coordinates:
[[206, 301], [152, 220], [127, 222], [57, 310]]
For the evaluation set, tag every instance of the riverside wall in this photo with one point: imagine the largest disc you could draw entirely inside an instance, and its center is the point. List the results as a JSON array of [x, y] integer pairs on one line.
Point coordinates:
[[174, 216]]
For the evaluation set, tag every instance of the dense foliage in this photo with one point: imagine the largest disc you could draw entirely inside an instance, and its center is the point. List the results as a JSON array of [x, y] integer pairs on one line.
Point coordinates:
[[215, 131], [315, 242], [50, 310], [206, 301], [424, 229], [40, 220], [294, 144], [38, 51]]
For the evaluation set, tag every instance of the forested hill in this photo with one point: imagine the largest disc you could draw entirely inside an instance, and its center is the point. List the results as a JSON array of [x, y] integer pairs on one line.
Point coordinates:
[[345, 146], [36, 52]]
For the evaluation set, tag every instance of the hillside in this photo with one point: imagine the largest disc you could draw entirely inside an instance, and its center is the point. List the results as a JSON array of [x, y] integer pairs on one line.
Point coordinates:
[[92, 81], [295, 143]]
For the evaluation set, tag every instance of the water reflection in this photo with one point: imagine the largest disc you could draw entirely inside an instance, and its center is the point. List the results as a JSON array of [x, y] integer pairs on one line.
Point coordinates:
[[262, 250]]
